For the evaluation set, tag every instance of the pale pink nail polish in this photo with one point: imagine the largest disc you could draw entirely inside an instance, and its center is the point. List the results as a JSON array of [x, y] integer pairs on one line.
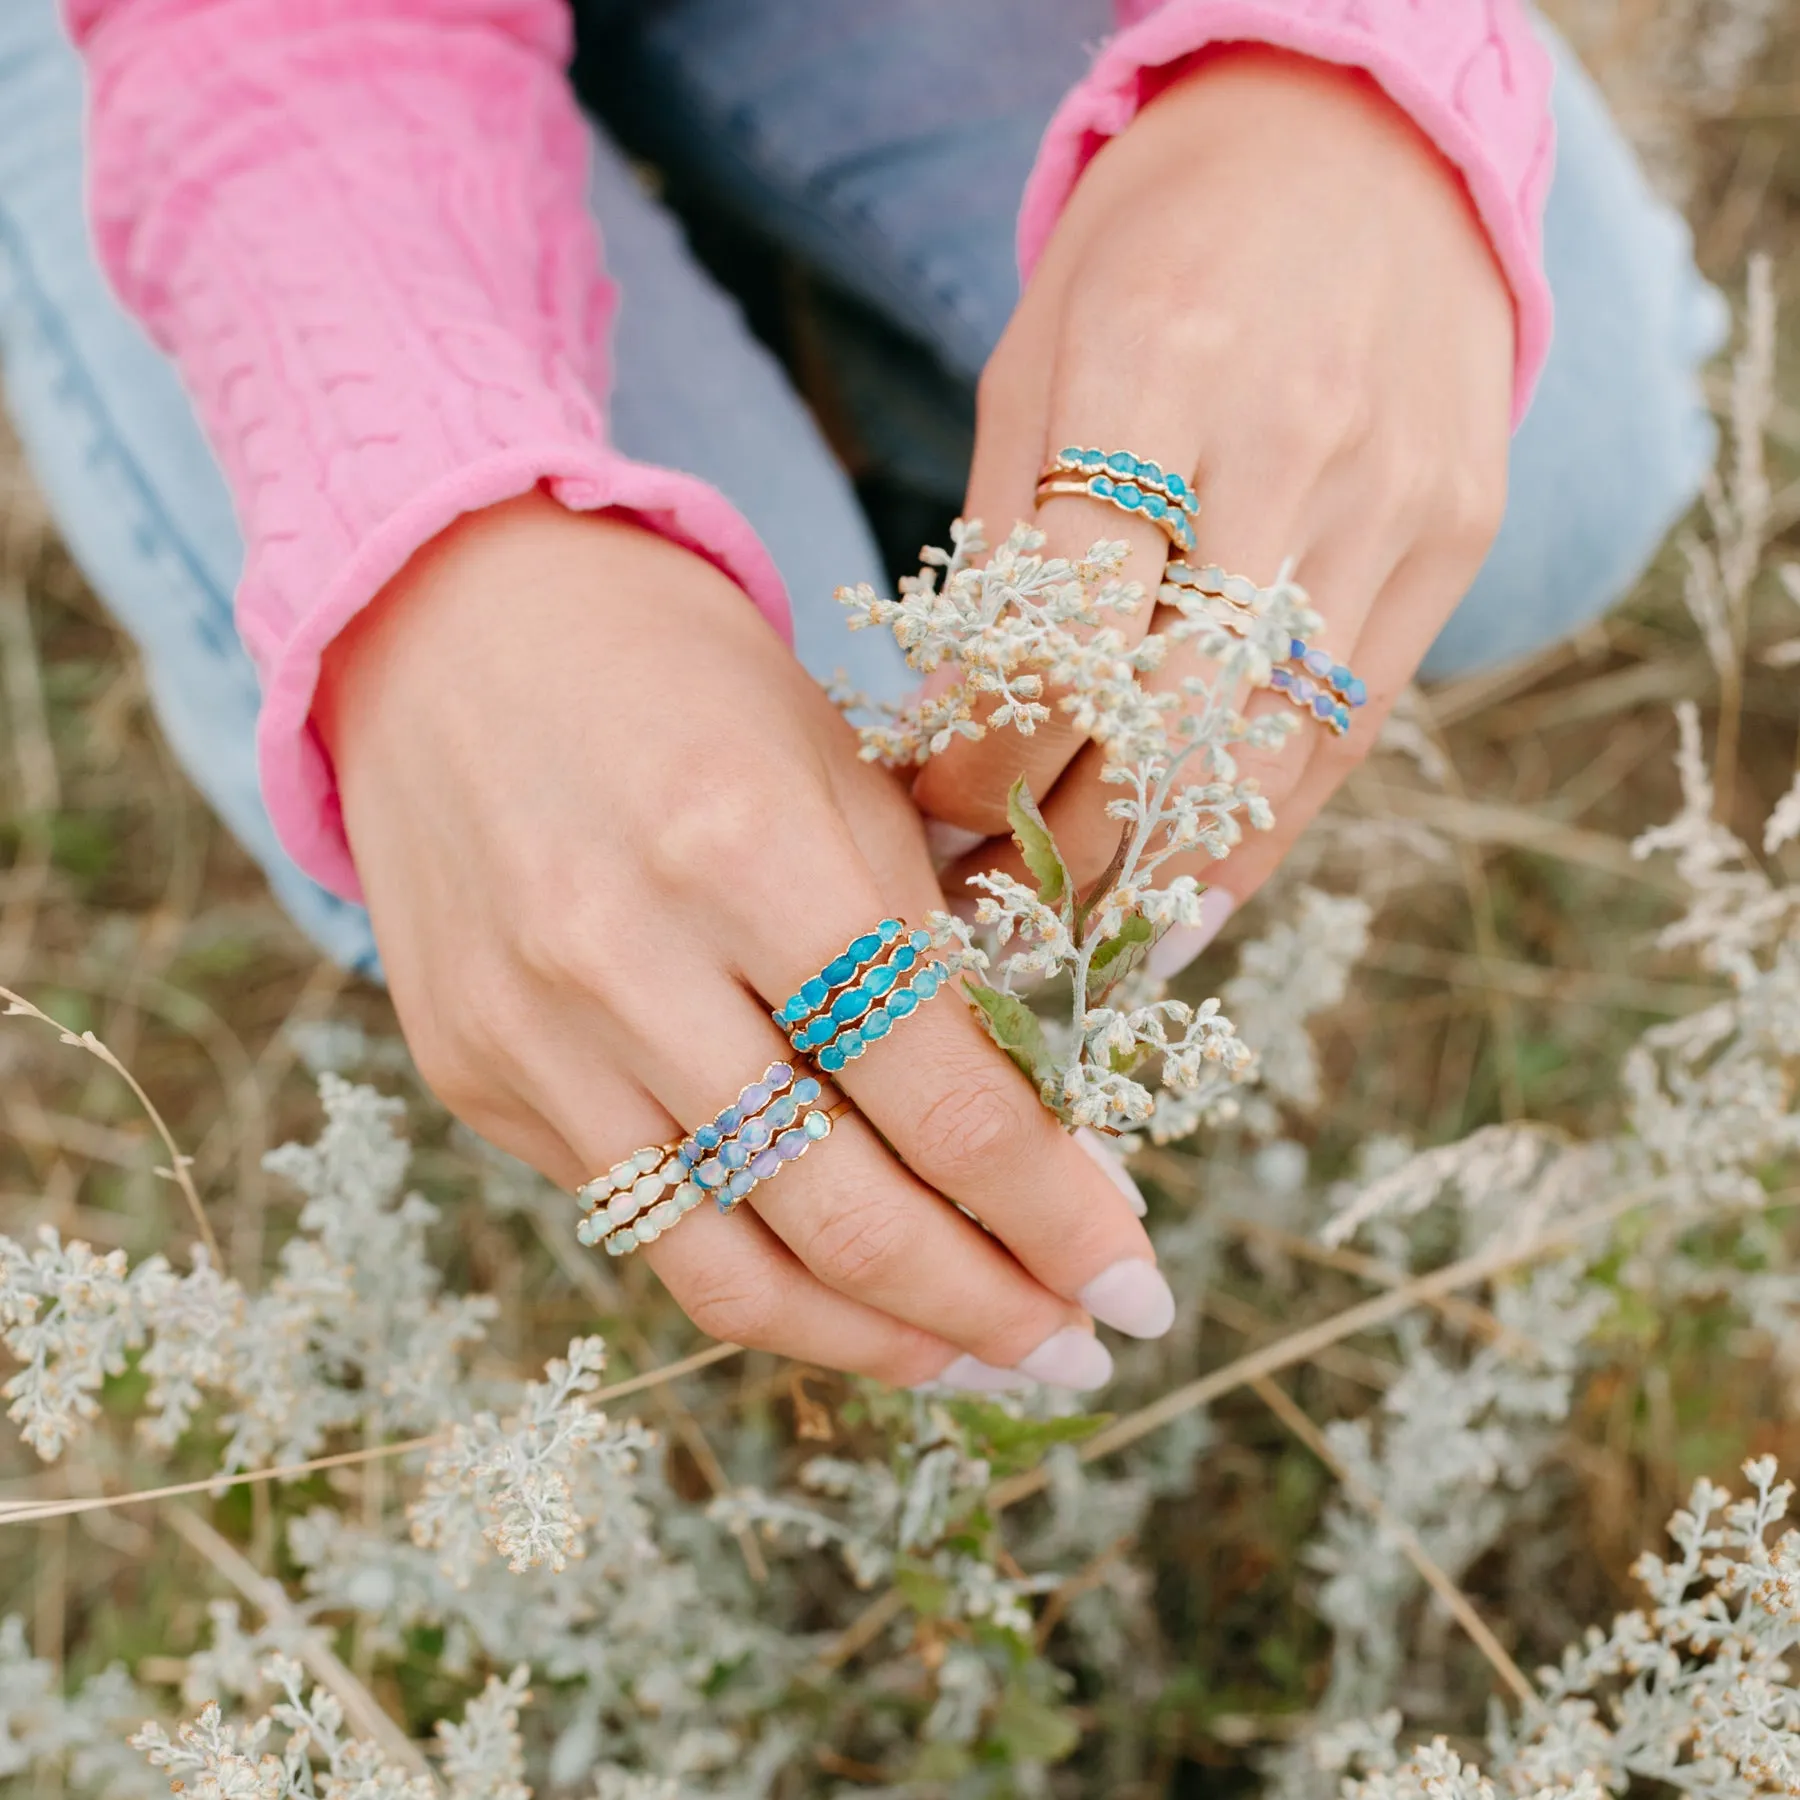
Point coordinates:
[[1112, 1166], [969, 1375], [1131, 1296], [1073, 1358], [1175, 949]]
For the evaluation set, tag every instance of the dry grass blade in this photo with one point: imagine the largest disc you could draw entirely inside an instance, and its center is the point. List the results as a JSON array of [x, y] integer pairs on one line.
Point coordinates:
[[23, 1512], [362, 1711], [1430, 1571], [177, 1171]]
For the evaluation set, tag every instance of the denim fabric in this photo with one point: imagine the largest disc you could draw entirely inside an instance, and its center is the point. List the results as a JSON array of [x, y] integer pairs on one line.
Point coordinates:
[[885, 148]]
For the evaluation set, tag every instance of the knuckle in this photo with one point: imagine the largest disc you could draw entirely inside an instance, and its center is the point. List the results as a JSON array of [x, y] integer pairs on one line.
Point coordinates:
[[732, 1309], [861, 1244], [981, 1115], [1473, 506]]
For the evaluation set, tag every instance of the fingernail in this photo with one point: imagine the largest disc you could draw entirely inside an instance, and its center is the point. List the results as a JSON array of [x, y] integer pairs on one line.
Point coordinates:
[[968, 1375], [1131, 1296], [1112, 1166], [949, 843], [1072, 1359], [1174, 950]]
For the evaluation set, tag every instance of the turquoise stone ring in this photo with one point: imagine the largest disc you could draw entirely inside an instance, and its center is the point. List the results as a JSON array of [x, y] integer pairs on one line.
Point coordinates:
[[1134, 484], [850, 1005]]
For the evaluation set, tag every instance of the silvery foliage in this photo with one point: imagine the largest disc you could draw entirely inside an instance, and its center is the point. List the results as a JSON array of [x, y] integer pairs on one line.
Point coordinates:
[[1458, 1443], [81, 1735], [298, 1749], [1694, 1691], [1004, 634]]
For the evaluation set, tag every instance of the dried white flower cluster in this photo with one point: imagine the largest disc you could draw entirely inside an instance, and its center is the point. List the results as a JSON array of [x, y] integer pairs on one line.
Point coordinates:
[[1002, 635]]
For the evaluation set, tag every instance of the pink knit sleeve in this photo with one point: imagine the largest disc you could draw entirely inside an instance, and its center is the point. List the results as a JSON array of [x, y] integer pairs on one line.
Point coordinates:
[[1471, 74], [359, 226]]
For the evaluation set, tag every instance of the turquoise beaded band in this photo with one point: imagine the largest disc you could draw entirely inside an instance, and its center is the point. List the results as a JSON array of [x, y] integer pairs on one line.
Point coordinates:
[[1311, 678], [1134, 484], [850, 1005]]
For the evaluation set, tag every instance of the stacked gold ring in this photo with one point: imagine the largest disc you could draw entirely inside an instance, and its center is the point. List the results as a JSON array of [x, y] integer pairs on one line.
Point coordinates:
[[1136, 485]]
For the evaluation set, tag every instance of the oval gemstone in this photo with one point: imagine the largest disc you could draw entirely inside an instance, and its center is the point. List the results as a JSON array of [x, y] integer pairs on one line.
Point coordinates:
[[755, 1133], [904, 958], [1297, 649], [851, 1005], [1178, 489], [813, 991], [1101, 487], [878, 981], [1239, 588], [816, 1125], [831, 1058], [664, 1214], [646, 1160], [643, 1192], [1128, 494], [689, 1154], [767, 1162], [591, 1229], [839, 969], [710, 1174], [687, 1196], [729, 1120], [920, 940], [1150, 471], [852, 1045], [1281, 678], [740, 1184], [1304, 689], [807, 1091], [1155, 506], [1343, 718], [862, 948], [616, 1246], [1121, 462], [778, 1076], [903, 1003], [878, 1024], [1324, 707], [623, 1208], [708, 1137], [734, 1155], [781, 1113], [889, 929], [791, 1144], [1356, 693], [647, 1232], [925, 983], [1317, 663], [755, 1097]]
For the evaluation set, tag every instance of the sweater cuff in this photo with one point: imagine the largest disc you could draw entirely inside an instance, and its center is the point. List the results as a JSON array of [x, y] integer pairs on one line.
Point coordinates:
[[1475, 80], [298, 781]]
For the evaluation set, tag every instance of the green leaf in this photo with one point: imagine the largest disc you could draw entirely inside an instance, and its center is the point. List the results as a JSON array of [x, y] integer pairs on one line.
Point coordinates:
[[1009, 1445], [1032, 1730], [1119, 955], [1014, 1027], [923, 1591], [1036, 844]]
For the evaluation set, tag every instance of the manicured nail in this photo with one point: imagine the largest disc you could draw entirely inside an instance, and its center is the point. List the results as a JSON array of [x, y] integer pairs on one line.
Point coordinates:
[[968, 1375], [1131, 1296], [1072, 1359], [1112, 1166], [949, 843], [1175, 949]]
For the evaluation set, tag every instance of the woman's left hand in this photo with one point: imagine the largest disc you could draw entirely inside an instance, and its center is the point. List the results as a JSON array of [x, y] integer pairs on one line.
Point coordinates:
[[1272, 282]]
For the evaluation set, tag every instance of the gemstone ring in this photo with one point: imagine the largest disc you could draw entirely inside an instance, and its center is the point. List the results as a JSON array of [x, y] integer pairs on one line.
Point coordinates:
[[1134, 484]]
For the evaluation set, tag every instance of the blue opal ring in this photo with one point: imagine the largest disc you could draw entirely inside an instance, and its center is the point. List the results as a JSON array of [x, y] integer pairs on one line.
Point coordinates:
[[1311, 678], [1134, 484], [859, 997]]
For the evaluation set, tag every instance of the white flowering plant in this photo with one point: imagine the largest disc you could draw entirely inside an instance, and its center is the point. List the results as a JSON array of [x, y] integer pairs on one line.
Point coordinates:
[[1002, 633]]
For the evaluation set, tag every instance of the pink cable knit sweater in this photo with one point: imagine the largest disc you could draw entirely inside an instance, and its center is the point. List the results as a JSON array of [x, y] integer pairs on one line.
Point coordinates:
[[358, 225]]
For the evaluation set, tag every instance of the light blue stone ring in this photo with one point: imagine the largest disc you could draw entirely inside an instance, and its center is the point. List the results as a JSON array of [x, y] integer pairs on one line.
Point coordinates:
[[1134, 484], [856, 1000], [1311, 678]]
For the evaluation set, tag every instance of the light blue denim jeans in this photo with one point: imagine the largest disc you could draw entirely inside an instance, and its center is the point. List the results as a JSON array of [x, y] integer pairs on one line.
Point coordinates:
[[885, 147]]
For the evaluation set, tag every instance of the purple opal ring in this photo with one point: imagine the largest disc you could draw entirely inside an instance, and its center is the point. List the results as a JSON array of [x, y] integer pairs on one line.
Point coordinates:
[[1311, 678]]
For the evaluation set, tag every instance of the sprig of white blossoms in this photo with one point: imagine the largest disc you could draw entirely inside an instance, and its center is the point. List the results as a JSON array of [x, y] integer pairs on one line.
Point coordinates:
[[1015, 629]]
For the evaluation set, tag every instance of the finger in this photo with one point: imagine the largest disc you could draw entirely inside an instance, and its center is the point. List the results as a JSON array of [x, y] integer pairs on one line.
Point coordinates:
[[967, 784], [966, 1124], [863, 1224]]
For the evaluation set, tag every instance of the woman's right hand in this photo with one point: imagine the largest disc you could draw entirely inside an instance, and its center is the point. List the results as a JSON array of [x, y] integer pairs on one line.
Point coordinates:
[[604, 821]]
